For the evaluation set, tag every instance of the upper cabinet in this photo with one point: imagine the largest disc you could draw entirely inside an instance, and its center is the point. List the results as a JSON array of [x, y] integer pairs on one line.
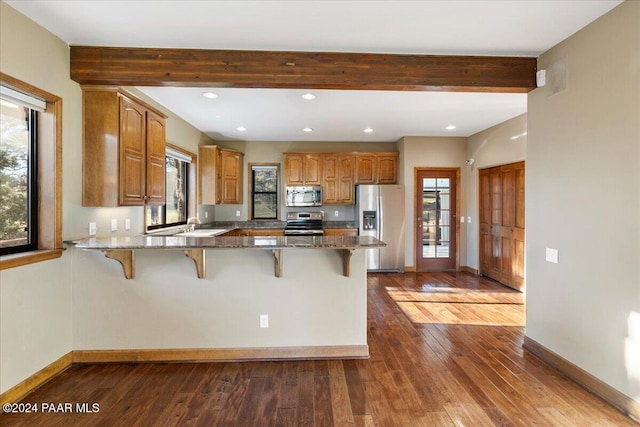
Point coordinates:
[[339, 173], [302, 169], [123, 149], [219, 175], [337, 176], [376, 168]]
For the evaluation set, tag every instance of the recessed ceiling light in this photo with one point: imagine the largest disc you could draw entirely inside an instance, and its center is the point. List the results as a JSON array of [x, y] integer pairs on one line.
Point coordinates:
[[450, 127], [368, 130], [307, 130], [210, 95], [308, 96], [241, 128]]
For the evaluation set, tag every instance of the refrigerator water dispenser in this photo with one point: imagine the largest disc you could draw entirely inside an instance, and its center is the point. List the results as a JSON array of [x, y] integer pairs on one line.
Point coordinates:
[[369, 220]]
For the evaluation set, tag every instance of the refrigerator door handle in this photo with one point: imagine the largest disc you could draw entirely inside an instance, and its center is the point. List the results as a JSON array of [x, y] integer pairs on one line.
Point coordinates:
[[380, 217]]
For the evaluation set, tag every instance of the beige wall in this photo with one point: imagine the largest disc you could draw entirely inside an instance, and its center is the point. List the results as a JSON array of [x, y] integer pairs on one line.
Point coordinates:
[[499, 145], [583, 198], [167, 306], [36, 300], [424, 151]]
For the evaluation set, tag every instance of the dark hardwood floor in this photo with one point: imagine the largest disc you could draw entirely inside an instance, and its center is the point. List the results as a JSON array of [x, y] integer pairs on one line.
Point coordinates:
[[468, 369]]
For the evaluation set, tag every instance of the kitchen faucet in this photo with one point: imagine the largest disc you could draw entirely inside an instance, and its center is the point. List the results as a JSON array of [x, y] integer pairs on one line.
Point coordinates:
[[192, 226]]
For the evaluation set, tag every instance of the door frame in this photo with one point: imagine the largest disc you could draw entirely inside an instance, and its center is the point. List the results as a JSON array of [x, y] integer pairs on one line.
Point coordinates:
[[418, 208]]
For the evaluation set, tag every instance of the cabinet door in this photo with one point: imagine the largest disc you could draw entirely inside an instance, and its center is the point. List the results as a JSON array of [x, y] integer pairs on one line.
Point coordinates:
[[340, 232], [312, 169], [293, 169], [387, 166], [132, 152], [207, 174], [155, 159], [231, 172], [366, 169], [330, 179], [346, 183]]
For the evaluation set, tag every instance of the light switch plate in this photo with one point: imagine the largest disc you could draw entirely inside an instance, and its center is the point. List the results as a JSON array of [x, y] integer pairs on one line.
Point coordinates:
[[127, 224], [114, 225], [552, 255], [92, 229]]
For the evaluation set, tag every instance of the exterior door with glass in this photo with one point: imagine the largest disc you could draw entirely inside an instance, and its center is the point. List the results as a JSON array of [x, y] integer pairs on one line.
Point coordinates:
[[436, 214]]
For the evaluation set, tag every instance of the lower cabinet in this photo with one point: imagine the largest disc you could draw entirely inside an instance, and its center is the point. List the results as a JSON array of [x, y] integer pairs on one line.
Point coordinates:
[[340, 231], [254, 232]]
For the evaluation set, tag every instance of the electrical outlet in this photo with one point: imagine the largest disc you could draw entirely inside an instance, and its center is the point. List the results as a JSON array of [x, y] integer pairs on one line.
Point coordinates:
[[237, 213], [264, 320], [114, 225], [206, 214], [93, 229], [336, 213], [468, 220], [127, 224]]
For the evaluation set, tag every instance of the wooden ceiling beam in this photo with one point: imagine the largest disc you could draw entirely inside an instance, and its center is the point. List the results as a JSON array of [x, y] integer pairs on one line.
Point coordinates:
[[300, 70]]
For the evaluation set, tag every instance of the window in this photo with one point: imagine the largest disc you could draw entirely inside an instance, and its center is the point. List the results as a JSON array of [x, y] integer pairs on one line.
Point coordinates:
[[32, 198], [175, 211], [18, 171], [264, 191]]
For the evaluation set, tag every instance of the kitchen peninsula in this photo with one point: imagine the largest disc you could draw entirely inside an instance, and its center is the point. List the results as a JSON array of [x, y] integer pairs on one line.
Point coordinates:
[[315, 303], [121, 248]]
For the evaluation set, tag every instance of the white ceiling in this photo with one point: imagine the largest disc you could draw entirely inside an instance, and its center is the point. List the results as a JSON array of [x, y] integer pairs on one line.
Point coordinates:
[[475, 27]]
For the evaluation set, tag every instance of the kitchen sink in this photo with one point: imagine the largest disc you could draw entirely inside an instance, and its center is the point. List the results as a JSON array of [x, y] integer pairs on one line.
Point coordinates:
[[202, 233]]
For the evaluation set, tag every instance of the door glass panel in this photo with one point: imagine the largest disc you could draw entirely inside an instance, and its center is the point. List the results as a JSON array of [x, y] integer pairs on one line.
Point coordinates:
[[436, 217]]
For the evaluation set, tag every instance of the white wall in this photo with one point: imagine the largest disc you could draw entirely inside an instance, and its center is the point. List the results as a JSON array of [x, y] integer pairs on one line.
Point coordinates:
[[583, 198], [499, 145], [425, 151]]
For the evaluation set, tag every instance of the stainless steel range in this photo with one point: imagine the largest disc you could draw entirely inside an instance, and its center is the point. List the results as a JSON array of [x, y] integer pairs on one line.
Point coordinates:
[[304, 224]]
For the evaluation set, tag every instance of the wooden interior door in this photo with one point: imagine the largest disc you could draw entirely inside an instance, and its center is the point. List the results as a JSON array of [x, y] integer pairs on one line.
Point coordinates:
[[502, 225], [437, 219]]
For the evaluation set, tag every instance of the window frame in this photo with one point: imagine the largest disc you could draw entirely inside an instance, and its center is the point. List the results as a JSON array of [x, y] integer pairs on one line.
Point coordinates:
[[48, 184], [252, 192], [32, 188], [190, 190]]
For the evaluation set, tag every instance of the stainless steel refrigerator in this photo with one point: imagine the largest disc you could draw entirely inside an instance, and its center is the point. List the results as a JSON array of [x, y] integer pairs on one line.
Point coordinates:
[[381, 215]]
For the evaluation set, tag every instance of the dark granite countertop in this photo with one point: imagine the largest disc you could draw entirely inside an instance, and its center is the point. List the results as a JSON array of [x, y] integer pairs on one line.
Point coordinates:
[[188, 242], [230, 225]]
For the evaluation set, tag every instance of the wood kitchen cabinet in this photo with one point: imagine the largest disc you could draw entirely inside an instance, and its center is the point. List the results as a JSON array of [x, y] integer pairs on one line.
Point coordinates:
[[376, 168], [123, 149], [340, 232], [338, 179], [502, 225], [302, 169], [219, 175]]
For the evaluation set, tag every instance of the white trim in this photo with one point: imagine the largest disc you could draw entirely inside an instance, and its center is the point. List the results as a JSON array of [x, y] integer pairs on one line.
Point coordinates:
[[23, 99], [178, 155]]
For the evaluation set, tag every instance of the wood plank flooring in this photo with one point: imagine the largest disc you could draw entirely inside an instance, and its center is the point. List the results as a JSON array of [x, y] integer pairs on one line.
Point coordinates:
[[447, 368]]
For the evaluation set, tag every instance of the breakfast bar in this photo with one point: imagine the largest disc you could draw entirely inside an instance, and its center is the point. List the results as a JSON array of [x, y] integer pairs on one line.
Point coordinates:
[[122, 248]]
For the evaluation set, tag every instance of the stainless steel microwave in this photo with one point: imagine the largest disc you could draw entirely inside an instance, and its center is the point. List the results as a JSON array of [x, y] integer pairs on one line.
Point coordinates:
[[304, 196]]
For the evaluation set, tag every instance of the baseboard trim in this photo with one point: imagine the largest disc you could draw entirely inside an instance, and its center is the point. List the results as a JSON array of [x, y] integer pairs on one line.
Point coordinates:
[[410, 269], [619, 400], [18, 391], [468, 269], [221, 355]]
